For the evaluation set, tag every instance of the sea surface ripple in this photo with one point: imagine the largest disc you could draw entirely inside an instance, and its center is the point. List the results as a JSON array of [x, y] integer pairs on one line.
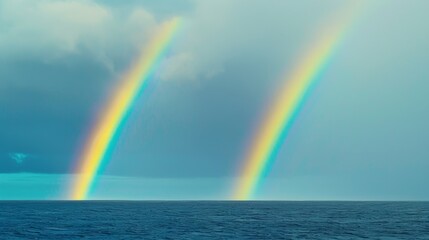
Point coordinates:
[[213, 220]]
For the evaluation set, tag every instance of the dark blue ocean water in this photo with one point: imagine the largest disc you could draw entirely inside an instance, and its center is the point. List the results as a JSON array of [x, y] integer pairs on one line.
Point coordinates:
[[213, 220]]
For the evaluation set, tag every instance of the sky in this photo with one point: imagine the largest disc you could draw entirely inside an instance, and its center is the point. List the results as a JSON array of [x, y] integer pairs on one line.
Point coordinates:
[[360, 135]]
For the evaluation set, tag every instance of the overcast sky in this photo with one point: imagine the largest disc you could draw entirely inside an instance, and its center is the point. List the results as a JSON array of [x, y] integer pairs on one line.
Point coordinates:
[[362, 133]]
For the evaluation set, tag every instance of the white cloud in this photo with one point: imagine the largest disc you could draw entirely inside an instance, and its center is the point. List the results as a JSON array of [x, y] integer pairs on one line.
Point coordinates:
[[265, 31], [215, 32], [181, 65], [49, 29], [52, 30], [18, 157]]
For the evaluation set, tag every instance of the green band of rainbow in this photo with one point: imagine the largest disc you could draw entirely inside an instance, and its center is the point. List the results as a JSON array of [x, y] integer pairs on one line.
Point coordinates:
[[285, 107], [102, 138]]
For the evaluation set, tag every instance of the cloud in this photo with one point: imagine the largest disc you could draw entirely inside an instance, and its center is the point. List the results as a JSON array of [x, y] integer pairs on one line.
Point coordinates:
[[19, 158], [182, 65], [50, 30], [214, 33], [217, 33]]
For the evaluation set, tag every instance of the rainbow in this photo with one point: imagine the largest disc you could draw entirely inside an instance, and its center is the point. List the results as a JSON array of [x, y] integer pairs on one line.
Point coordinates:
[[286, 105], [107, 129]]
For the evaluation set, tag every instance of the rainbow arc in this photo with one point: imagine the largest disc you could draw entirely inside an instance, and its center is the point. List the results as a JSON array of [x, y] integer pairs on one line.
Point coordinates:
[[107, 129], [288, 102]]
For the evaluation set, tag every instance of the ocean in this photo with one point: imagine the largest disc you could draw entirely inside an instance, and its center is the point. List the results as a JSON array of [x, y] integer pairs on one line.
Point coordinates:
[[213, 220]]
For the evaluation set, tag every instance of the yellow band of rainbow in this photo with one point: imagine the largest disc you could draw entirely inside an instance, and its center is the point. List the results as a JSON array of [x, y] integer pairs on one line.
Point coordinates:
[[280, 116], [114, 114]]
